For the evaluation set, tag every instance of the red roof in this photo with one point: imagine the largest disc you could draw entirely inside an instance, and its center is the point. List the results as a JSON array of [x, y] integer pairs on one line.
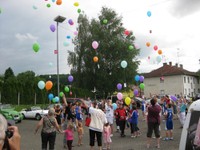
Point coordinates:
[[169, 70]]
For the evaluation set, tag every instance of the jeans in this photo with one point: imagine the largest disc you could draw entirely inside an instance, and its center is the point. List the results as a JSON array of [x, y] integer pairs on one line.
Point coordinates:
[[48, 137]]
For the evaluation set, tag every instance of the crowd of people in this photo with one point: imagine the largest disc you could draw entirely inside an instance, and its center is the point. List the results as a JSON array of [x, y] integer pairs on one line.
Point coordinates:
[[68, 118]]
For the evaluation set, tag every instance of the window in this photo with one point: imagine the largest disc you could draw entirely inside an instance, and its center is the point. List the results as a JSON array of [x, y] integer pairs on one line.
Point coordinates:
[[188, 80], [191, 85], [185, 92], [184, 79]]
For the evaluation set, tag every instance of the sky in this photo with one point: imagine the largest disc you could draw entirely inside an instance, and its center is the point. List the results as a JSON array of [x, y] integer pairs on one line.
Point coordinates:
[[173, 24]]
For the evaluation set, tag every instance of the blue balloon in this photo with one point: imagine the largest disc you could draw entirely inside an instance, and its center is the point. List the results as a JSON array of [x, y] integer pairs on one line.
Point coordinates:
[[114, 105], [137, 78], [149, 13], [68, 36], [50, 96], [57, 99]]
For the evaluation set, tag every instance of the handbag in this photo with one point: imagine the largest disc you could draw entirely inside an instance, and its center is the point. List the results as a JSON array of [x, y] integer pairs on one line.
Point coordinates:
[[87, 121]]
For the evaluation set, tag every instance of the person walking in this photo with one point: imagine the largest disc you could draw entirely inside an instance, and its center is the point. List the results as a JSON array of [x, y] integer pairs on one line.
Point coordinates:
[[153, 122], [49, 126]]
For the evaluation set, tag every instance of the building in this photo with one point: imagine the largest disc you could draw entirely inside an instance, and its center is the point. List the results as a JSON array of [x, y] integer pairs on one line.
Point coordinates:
[[172, 80]]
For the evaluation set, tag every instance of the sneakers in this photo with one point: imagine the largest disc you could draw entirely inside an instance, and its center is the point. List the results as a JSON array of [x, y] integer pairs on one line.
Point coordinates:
[[166, 139], [133, 136], [111, 135], [171, 138], [123, 135]]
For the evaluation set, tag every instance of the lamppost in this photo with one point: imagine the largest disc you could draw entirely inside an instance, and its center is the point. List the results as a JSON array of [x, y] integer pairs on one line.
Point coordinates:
[[58, 19]]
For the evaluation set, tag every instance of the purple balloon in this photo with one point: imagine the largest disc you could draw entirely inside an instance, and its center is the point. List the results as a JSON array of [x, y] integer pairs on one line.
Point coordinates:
[[70, 21], [70, 78], [135, 92], [52, 28], [141, 78], [174, 98], [119, 86]]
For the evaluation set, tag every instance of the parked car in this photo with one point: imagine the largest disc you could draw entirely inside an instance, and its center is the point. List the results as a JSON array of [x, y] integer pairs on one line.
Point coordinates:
[[34, 112], [9, 113], [197, 96]]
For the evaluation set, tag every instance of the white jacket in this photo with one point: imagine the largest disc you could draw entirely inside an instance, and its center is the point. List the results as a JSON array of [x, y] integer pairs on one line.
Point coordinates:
[[98, 119]]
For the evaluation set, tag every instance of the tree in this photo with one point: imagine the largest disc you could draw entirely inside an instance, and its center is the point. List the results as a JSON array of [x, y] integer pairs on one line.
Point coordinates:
[[114, 47]]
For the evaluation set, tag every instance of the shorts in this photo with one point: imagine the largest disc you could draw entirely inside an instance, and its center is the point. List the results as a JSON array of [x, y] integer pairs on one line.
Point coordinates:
[[153, 127], [169, 125], [110, 120]]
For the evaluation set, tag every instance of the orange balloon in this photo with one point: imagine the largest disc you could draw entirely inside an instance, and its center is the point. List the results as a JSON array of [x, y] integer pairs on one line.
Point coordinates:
[[148, 44], [48, 85], [160, 52], [59, 2], [95, 59]]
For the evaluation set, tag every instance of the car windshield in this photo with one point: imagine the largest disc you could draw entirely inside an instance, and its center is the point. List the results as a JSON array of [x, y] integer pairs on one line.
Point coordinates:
[[6, 106], [35, 108]]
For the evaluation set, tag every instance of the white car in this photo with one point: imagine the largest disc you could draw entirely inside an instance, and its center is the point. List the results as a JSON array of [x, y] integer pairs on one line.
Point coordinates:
[[34, 112]]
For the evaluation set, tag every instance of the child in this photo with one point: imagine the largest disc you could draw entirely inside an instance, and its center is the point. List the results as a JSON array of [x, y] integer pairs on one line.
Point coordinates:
[[106, 136], [69, 136], [134, 118], [169, 123], [80, 133]]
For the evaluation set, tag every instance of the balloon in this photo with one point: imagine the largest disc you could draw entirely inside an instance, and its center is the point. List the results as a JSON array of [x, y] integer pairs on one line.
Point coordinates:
[[75, 32], [119, 96], [68, 36], [130, 47], [61, 94], [148, 44], [95, 59], [53, 1], [137, 78], [70, 93], [70, 78], [66, 89], [54, 100], [135, 92], [105, 21], [50, 64], [150, 31], [95, 44], [126, 32], [36, 47], [76, 4], [155, 47], [142, 86], [174, 98], [119, 86], [41, 84], [79, 10], [50, 96], [127, 100], [158, 59], [59, 2], [70, 21], [65, 43], [141, 78], [34, 7], [124, 64], [52, 27], [149, 13], [48, 85], [114, 105], [57, 99], [48, 5], [159, 52]]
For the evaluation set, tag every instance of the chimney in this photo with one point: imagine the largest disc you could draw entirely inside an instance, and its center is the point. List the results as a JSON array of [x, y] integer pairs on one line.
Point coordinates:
[[164, 64], [181, 66], [170, 63], [176, 64]]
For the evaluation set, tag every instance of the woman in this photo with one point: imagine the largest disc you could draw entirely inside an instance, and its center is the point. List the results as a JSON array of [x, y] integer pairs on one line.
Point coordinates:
[[98, 119], [153, 122], [48, 133]]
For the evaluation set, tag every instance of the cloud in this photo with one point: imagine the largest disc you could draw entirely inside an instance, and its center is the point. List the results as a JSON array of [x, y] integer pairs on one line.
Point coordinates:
[[27, 36]]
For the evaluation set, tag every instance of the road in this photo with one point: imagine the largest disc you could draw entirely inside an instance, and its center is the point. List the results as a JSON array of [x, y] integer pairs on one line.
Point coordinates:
[[30, 141]]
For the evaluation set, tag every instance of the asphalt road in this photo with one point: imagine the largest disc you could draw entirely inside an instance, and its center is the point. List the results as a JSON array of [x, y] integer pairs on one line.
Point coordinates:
[[30, 141]]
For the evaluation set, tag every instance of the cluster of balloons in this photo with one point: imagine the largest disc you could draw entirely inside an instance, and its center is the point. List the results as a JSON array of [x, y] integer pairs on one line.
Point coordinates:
[[139, 78], [36, 47], [48, 85], [52, 98]]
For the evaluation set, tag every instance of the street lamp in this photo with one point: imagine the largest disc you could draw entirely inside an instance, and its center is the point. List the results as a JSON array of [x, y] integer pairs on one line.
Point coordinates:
[[58, 19]]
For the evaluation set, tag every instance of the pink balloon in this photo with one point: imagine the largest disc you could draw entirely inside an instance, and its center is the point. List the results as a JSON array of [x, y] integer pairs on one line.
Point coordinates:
[[119, 96], [95, 44], [75, 32], [155, 47]]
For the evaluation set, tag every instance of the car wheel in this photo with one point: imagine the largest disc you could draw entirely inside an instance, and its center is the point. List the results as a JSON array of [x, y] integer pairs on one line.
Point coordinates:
[[37, 116], [23, 116]]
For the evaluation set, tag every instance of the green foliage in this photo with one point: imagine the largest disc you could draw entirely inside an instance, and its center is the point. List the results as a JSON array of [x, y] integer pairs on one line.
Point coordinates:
[[113, 48]]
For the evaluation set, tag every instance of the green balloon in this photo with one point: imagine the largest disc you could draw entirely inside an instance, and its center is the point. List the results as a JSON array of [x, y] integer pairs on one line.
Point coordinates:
[[54, 100], [130, 47], [105, 21], [61, 94], [48, 5], [142, 86], [36, 47], [79, 10], [66, 89]]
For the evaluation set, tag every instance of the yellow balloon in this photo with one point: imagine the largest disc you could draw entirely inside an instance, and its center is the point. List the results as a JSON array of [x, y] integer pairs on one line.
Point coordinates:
[[128, 100], [76, 4]]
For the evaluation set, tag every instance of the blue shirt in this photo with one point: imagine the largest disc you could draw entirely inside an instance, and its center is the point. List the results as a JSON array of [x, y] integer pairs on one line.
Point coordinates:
[[183, 107], [135, 117], [169, 114]]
